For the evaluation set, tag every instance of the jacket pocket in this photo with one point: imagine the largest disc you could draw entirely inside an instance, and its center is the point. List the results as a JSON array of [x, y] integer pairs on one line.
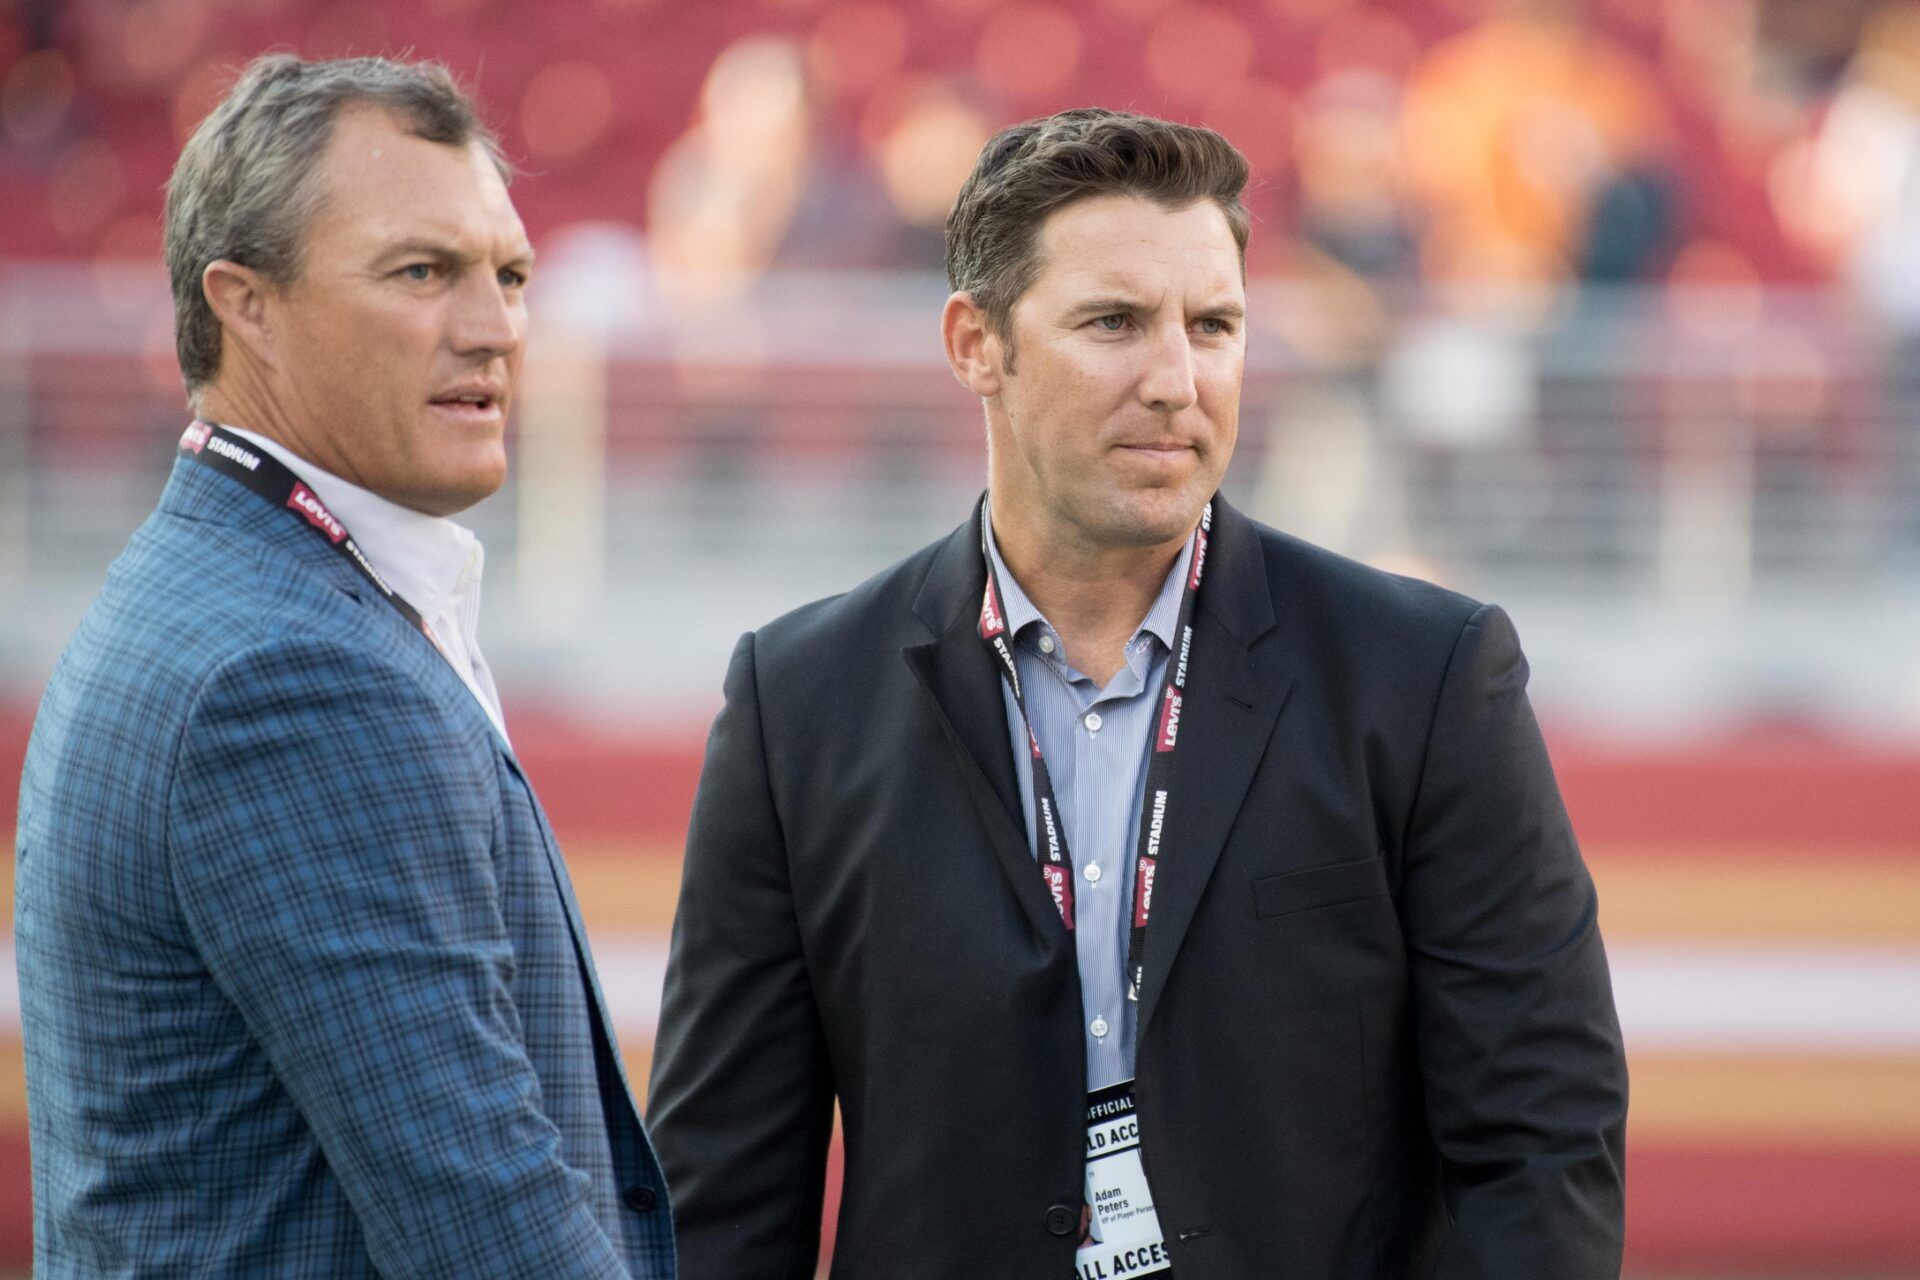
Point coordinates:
[[1328, 886]]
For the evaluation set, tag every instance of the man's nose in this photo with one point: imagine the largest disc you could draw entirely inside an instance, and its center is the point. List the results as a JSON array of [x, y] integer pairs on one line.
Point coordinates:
[[487, 321], [1166, 384]]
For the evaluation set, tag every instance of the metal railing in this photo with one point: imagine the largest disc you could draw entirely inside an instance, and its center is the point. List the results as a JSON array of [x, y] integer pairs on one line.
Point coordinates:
[[1684, 449]]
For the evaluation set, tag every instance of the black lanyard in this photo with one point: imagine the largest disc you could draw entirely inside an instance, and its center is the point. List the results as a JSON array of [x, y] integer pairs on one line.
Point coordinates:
[[221, 450], [1056, 863]]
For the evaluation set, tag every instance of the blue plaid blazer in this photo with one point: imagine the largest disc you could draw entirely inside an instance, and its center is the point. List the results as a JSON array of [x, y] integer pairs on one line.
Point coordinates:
[[304, 986]]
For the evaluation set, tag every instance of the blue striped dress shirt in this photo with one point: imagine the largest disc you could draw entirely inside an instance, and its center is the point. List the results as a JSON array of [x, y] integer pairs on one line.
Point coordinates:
[[1095, 741]]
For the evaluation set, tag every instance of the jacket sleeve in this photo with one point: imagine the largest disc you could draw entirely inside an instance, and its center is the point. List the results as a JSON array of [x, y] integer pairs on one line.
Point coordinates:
[[741, 1104], [331, 849], [1519, 1045]]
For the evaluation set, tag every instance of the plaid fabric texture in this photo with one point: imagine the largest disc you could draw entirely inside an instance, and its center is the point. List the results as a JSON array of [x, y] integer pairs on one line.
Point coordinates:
[[298, 968]]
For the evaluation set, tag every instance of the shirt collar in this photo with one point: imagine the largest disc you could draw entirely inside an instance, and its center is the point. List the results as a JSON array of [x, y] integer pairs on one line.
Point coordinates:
[[427, 560], [1161, 619]]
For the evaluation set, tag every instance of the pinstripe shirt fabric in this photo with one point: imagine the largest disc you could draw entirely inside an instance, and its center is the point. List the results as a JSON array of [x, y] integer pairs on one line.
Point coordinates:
[[303, 985], [1095, 741]]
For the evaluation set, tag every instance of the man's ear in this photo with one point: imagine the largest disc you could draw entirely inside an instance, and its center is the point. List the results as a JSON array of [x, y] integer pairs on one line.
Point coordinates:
[[238, 297], [974, 351]]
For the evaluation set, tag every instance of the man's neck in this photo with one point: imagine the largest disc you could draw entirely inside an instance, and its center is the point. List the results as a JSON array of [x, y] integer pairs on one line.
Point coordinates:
[[243, 405], [1095, 597]]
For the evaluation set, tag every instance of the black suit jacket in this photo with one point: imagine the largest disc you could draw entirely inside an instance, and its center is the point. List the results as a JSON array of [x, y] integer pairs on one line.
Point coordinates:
[[1376, 1032]]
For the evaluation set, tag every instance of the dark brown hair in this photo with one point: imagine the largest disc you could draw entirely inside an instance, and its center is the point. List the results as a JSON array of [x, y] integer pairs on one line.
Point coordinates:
[[1030, 170]]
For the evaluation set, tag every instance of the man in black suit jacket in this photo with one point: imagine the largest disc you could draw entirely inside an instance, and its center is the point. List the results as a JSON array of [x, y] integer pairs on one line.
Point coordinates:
[[1366, 1028]]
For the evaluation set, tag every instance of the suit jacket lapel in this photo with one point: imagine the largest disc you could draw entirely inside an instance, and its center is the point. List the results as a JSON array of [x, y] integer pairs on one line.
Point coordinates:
[[1232, 703], [570, 906], [962, 683], [197, 493]]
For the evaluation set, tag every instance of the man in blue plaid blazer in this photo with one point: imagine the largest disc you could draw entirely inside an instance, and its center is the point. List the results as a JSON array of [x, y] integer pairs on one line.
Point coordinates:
[[304, 985]]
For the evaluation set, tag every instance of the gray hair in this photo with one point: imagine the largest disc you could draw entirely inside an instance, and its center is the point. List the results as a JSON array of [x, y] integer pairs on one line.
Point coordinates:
[[248, 182]]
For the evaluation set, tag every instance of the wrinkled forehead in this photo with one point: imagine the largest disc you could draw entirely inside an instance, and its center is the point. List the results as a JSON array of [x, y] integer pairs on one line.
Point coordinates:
[[381, 182], [1128, 245]]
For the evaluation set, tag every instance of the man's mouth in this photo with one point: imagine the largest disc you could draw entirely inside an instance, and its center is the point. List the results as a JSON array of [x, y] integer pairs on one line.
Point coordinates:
[[474, 404]]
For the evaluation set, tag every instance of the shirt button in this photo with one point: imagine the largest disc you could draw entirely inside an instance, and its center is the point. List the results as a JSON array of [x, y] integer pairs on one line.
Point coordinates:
[[1046, 643], [1092, 722], [1099, 1028], [640, 1199], [1092, 873]]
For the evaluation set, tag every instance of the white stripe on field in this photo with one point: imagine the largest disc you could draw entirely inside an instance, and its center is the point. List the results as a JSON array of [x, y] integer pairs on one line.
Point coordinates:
[[632, 969], [1673, 998], [1712, 998]]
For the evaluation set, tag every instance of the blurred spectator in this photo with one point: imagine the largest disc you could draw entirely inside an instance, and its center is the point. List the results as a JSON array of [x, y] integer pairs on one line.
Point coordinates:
[[760, 181], [38, 88], [723, 195], [924, 137], [1352, 177], [1805, 48], [1865, 169], [1537, 148], [37, 22]]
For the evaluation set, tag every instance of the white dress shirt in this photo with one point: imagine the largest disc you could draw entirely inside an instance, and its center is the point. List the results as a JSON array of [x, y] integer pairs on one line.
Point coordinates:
[[430, 562]]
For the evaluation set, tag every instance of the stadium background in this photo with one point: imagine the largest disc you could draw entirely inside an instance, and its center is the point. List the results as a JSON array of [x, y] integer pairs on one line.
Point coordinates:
[[1608, 311]]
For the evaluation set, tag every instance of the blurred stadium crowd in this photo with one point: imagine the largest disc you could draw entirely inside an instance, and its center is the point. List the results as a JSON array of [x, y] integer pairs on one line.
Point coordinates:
[[1532, 145], [1640, 274], [1608, 309]]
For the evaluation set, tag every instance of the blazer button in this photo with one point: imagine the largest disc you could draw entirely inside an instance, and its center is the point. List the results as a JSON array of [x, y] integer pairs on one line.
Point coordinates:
[[640, 1199], [1061, 1220]]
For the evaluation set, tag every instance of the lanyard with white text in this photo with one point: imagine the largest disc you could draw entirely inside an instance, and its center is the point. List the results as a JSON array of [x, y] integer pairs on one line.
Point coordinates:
[[1056, 864], [267, 476]]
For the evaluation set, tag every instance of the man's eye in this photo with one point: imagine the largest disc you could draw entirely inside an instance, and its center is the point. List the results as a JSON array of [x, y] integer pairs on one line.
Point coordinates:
[[512, 279], [1213, 325], [422, 271], [1111, 324]]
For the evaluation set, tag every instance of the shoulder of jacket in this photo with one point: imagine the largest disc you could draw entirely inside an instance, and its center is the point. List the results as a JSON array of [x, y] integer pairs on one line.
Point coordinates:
[[1330, 584], [875, 614], [223, 597]]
